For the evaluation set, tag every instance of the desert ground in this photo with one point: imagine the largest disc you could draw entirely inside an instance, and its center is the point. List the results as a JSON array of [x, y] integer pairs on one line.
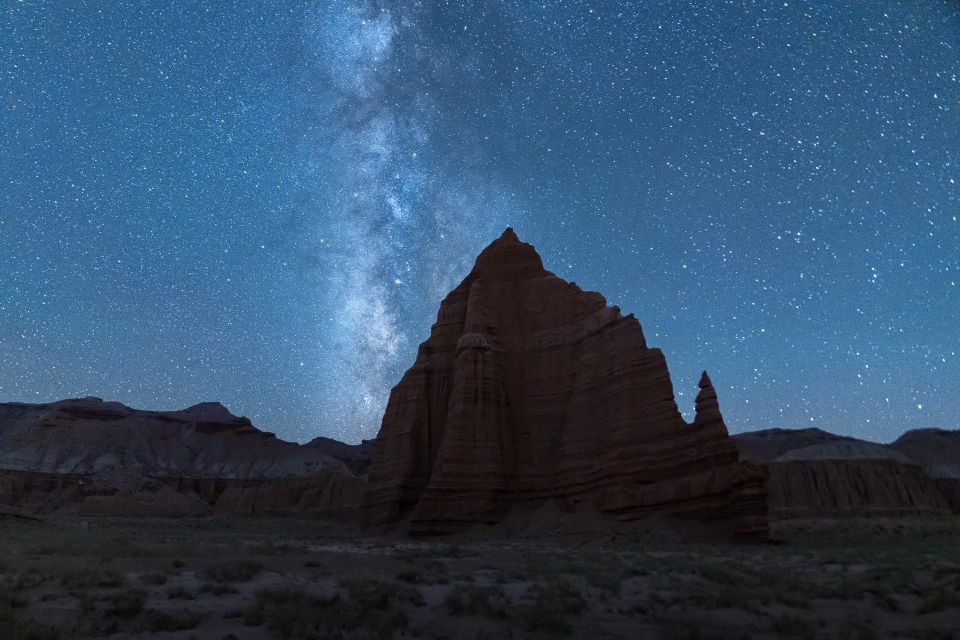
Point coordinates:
[[280, 578]]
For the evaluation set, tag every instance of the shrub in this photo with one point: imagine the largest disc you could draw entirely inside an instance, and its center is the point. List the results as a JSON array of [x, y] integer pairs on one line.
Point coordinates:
[[474, 600], [294, 614], [30, 579], [369, 594], [376, 594], [792, 626], [180, 592], [12, 628], [83, 579], [550, 608], [127, 604], [233, 571], [172, 620]]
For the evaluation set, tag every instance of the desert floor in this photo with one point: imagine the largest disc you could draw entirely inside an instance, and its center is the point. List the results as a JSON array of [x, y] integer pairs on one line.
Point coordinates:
[[245, 578]]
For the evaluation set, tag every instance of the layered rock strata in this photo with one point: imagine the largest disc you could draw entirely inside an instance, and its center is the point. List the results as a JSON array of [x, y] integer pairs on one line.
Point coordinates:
[[530, 389], [89, 435], [816, 474], [93, 458]]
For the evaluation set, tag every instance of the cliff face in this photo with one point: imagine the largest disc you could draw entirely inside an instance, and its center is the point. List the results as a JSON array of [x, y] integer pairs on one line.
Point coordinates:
[[333, 493], [860, 487], [531, 389], [815, 474]]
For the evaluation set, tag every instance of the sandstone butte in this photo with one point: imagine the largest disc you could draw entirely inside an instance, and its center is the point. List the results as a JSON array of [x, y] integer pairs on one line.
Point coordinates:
[[531, 390]]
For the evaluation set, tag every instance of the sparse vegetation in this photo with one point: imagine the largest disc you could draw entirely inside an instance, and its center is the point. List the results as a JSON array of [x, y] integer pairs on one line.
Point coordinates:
[[552, 604], [794, 626], [13, 628], [376, 595], [940, 598], [800, 589], [30, 579], [294, 613], [180, 592], [127, 603], [80, 580], [171, 620], [476, 600], [242, 570]]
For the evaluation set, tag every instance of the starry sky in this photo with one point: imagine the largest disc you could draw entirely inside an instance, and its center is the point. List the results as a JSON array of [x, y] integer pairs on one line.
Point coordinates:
[[263, 203]]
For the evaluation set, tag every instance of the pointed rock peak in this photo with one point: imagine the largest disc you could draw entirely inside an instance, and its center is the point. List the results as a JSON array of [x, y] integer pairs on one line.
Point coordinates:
[[705, 405], [705, 381], [509, 256], [509, 235], [508, 239]]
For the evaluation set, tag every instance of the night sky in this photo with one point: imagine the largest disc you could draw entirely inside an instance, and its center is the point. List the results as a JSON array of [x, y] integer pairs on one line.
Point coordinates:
[[263, 203]]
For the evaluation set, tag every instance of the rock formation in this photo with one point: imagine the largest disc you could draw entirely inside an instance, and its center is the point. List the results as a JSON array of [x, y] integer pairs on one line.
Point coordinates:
[[815, 474], [88, 435], [356, 456], [90, 457], [767, 445], [530, 389], [938, 452]]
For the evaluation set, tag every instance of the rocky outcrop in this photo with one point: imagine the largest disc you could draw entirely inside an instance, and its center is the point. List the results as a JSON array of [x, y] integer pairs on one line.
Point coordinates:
[[847, 449], [94, 458], [820, 488], [767, 445], [89, 435], [936, 450], [333, 493], [816, 474], [530, 389], [356, 456]]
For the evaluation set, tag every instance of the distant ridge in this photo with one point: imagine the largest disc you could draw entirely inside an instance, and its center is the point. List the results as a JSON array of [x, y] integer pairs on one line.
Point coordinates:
[[817, 474], [90, 457], [90, 435]]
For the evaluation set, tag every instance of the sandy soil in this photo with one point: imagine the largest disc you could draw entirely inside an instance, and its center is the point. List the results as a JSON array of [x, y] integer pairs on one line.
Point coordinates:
[[249, 579]]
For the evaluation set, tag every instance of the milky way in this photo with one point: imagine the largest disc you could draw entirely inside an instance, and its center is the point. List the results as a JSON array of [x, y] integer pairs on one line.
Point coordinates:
[[393, 219], [263, 205]]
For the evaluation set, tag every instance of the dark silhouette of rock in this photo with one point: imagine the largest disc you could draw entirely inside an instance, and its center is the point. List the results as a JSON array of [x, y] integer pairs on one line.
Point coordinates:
[[355, 456], [937, 450], [769, 444], [530, 389]]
